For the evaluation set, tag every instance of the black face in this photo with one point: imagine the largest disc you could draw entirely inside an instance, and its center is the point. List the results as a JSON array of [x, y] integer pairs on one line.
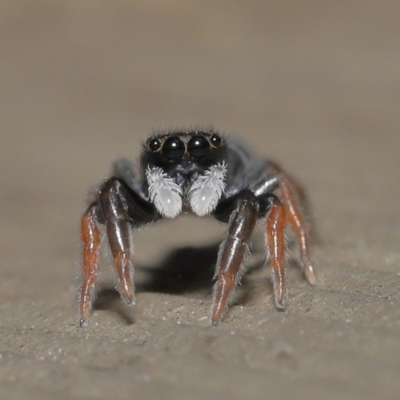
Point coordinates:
[[175, 147], [182, 154], [186, 147]]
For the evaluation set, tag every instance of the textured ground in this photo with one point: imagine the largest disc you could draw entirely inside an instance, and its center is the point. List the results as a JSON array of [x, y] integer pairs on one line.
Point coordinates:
[[314, 85]]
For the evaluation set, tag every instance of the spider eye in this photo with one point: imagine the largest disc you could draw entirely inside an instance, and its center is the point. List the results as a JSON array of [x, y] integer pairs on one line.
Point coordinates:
[[198, 146], [173, 149], [215, 140], [154, 145]]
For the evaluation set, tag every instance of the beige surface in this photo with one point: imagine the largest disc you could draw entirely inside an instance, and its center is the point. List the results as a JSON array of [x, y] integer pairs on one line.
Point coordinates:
[[314, 85]]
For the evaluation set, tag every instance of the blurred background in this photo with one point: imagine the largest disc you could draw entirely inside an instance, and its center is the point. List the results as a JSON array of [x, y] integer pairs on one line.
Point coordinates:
[[312, 84]]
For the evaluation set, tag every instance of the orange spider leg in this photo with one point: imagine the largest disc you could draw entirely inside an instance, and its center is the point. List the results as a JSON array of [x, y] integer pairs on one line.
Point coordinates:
[[232, 253], [276, 222], [90, 235], [287, 191]]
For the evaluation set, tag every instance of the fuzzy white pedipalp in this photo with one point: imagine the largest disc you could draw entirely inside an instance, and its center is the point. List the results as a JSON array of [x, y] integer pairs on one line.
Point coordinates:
[[164, 193], [207, 190]]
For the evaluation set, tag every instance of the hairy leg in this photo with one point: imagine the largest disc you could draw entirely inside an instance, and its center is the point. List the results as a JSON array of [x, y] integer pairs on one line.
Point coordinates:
[[115, 209], [90, 236], [276, 221], [299, 226], [233, 252], [289, 190], [120, 208]]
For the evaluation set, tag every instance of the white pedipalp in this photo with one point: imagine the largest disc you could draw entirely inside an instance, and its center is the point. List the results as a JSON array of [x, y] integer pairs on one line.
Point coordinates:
[[164, 193], [207, 190]]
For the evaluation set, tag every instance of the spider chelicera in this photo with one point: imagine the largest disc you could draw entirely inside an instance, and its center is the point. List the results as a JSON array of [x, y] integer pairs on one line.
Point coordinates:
[[205, 173]]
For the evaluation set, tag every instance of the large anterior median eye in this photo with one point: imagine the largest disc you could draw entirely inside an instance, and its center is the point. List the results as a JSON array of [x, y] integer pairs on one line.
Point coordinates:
[[173, 149], [198, 146]]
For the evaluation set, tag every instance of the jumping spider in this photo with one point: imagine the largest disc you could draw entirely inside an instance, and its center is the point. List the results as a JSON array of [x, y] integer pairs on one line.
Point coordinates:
[[200, 172]]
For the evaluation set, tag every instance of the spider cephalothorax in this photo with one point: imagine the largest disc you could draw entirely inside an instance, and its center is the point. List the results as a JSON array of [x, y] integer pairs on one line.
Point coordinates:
[[184, 171], [203, 173]]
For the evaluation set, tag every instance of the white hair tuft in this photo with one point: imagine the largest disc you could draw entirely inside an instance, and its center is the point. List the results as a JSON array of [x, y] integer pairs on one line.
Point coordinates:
[[164, 193], [207, 190]]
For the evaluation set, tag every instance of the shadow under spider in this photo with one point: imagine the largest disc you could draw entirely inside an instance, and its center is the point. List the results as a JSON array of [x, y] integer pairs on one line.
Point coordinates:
[[183, 270]]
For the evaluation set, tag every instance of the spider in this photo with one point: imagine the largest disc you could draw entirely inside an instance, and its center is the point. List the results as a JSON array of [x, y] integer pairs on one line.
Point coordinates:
[[204, 173]]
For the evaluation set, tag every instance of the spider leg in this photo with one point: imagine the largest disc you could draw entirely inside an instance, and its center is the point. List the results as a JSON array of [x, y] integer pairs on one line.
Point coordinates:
[[290, 192], [299, 226], [233, 251], [295, 185], [120, 208], [115, 209], [276, 221], [90, 235]]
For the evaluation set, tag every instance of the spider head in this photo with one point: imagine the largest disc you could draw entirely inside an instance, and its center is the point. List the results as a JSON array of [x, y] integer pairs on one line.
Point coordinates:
[[181, 154], [184, 171]]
